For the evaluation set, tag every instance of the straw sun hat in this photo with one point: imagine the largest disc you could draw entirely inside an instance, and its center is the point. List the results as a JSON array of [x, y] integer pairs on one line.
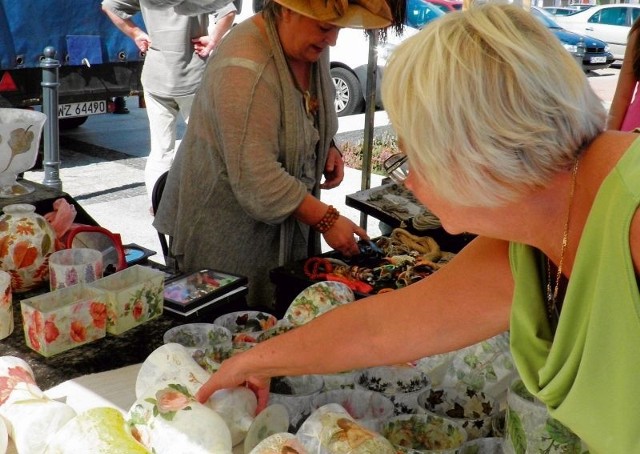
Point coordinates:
[[344, 13]]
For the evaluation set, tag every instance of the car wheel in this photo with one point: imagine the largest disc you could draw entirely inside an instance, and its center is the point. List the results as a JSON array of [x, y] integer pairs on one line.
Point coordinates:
[[349, 98], [71, 123]]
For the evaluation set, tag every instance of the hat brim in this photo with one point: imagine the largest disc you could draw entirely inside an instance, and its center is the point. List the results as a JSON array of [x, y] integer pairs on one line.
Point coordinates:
[[355, 17]]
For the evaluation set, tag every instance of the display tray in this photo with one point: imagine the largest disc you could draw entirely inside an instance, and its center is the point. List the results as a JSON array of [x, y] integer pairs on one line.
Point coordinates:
[[186, 294], [396, 206]]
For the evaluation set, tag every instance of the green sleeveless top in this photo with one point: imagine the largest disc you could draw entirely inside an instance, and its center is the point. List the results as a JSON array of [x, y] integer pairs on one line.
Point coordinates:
[[589, 374]]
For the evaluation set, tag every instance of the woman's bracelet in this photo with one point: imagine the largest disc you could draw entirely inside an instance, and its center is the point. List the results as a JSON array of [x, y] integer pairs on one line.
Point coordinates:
[[327, 221]]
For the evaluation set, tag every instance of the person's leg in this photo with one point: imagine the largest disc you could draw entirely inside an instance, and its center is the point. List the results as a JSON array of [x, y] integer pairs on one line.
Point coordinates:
[[162, 113]]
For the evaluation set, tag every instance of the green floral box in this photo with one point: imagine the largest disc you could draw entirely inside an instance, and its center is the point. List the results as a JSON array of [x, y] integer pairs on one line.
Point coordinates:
[[133, 295], [60, 320]]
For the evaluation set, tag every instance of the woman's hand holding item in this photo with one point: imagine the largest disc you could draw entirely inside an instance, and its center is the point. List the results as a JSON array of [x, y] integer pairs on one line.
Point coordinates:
[[341, 236]]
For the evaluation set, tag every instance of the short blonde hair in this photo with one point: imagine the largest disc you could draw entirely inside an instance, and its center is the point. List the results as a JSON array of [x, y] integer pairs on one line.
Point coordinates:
[[489, 104]]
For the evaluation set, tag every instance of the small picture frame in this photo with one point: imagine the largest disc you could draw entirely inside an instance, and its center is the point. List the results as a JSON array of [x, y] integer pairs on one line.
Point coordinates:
[[188, 292]]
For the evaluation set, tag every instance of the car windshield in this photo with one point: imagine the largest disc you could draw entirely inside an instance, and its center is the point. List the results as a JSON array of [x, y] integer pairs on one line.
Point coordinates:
[[545, 18]]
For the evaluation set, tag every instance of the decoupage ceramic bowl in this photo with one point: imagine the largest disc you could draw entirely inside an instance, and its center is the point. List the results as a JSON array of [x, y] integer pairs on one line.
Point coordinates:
[[490, 445], [246, 326], [367, 408], [401, 384], [209, 344], [331, 430], [283, 442], [340, 380], [271, 421], [530, 428], [316, 300], [424, 433], [474, 410], [295, 393], [281, 327]]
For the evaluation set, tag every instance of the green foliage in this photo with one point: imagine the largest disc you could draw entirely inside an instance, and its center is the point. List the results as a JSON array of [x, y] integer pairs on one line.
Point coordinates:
[[383, 146]]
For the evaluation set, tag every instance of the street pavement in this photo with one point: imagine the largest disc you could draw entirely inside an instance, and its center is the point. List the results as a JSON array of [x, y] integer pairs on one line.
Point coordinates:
[[102, 166]]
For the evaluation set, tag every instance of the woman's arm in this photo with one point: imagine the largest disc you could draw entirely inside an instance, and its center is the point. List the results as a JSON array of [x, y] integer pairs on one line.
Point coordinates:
[[464, 302], [129, 28], [626, 84]]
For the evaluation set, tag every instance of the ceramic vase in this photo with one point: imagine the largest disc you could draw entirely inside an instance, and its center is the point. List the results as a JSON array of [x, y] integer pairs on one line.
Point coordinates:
[[26, 242], [6, 308], [20, 131]]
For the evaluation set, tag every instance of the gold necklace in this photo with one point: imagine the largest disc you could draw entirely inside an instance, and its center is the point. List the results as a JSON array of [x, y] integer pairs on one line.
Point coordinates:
[[552, 296]]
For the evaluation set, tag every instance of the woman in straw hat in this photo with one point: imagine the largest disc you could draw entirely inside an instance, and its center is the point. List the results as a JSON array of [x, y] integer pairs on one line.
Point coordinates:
[[242, 195], [505, 138]]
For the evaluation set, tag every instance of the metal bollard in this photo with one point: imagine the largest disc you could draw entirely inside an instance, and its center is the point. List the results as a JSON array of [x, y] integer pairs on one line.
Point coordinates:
[[50, 86]]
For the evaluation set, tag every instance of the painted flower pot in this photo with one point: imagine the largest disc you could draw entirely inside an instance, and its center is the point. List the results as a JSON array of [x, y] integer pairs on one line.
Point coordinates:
[[20, 131], [26, 242], [133, 295], [208, 343], [331, 430], [6, 308], [58, 321]]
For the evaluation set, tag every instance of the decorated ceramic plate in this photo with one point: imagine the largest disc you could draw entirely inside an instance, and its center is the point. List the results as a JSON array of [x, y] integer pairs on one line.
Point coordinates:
[[272, 420], [279, 443], [317, 299]]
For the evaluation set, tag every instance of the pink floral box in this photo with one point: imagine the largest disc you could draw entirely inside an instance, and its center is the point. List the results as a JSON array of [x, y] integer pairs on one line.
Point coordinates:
[[60, 320], [134, 295]]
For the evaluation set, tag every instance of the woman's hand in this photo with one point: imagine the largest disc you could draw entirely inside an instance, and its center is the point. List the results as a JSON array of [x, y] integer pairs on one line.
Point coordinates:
[[225, 378], [333, 169], [142, 40], [341, 236]]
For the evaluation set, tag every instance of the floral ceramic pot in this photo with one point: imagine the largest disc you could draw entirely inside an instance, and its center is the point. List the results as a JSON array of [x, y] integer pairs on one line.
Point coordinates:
[[26, 242], [340, 380], [316, 300], [473, 410], [490, 445], [100, 429], [6, 308], [58, 321], [20, 131], [424, 433], [296, 394], [401, 384], [530, 428], [331, 430], [29, 415], [367, 408], [237, 407], [167, 419], [246, 326], [270, 421]]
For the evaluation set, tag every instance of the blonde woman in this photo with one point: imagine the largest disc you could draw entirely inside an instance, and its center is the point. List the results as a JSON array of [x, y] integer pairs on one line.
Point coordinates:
[[505, 139]]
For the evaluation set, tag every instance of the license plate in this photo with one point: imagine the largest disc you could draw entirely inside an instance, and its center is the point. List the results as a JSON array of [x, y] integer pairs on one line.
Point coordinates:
[[81, 109], [598, 60]]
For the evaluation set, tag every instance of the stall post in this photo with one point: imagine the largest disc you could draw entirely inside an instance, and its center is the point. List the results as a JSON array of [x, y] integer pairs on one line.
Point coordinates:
[[50, 86]]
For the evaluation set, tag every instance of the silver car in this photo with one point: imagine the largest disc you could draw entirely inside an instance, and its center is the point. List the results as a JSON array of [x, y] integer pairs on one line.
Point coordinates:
[[609, 23]]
